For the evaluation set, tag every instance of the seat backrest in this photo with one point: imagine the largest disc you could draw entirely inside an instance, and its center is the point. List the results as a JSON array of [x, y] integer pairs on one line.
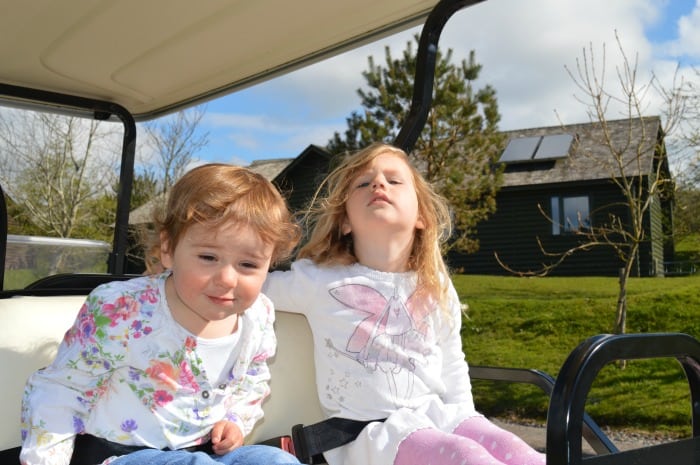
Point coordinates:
[[33, 326], [294, 397]]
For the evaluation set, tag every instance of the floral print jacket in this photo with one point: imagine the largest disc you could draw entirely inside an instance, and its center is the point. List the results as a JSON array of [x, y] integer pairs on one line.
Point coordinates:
[[127, 372]]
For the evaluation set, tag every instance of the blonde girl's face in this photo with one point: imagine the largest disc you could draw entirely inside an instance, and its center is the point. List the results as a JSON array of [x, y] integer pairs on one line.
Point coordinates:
[[382, 196], [216, 272]]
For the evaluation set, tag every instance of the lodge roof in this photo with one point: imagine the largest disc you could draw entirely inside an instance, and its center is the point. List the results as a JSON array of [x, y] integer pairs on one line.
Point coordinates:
[[589, 156]]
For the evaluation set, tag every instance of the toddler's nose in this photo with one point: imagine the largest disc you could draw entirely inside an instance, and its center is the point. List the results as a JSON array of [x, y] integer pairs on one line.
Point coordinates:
[[228, 276]]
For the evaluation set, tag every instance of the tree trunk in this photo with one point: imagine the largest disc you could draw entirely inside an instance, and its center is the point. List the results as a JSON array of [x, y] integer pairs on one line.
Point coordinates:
[[621, 321]]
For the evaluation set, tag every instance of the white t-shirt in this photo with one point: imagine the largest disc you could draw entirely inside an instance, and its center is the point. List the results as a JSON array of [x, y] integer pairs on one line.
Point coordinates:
[[380, 352], [219, 354]]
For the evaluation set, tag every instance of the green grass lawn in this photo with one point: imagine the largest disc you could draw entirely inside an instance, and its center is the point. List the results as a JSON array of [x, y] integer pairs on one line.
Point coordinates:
[[536, 322]]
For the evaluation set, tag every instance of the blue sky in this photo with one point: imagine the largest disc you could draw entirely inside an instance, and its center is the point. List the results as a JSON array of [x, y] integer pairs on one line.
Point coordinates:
[[524, 47]]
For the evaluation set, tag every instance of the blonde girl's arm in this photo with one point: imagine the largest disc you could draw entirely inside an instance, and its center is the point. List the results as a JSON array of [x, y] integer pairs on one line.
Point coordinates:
[[225, 437], [455, 368], [291, 290]]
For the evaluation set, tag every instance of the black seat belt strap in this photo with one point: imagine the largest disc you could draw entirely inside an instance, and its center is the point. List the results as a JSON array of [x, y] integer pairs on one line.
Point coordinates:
[[311, 441]]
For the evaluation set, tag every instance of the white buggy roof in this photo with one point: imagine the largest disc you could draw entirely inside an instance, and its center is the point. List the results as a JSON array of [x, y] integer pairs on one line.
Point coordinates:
[[158, 56]]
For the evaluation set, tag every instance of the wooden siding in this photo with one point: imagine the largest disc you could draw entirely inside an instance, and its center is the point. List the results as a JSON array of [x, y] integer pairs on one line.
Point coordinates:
[[512, 233], [299, 183]]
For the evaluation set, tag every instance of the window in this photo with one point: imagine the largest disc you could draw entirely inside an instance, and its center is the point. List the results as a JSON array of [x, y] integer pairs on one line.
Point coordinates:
[[570, 214]]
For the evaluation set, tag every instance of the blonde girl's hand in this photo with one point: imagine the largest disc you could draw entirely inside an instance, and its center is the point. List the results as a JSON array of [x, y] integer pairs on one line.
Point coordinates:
[[225, 436]]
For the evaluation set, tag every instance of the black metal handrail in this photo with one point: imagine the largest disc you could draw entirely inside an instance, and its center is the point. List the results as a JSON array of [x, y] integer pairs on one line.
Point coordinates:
[[566, 408], [594, 436]]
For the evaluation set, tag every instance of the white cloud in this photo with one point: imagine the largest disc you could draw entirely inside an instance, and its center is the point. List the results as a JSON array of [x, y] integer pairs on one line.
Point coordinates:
[[244, 140], [527, 45], [523, 46], [688, 42]]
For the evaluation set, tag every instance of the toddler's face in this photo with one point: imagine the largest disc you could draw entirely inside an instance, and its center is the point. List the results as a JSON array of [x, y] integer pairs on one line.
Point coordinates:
[[218, 272]]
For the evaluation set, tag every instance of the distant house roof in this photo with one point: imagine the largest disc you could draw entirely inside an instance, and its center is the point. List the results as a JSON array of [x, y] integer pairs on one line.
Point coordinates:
[[144, 213], [308, 151], [271, 169], [588, 157]]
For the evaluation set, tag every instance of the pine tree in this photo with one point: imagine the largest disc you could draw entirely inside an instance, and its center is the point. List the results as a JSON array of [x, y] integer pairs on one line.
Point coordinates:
[[459, 145]]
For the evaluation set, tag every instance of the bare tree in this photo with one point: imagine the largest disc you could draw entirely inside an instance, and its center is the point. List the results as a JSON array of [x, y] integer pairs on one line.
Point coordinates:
[[690, 129], [175, 141], [687, 213], [54, 167], [635, 163]]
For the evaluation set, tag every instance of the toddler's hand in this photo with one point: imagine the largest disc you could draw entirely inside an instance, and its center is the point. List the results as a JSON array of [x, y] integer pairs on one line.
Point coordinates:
[[225, 436]]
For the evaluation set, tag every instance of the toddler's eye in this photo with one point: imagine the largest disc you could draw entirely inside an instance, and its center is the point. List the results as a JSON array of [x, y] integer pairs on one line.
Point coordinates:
[[250, 265], [207, 258], [363, 184]]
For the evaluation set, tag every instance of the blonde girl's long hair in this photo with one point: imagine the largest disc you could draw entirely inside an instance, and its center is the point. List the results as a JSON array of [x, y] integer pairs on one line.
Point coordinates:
[[216, 193], [327, 245]]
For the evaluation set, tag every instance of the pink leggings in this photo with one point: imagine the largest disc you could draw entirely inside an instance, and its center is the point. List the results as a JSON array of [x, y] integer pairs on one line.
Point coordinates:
[[476, 441]]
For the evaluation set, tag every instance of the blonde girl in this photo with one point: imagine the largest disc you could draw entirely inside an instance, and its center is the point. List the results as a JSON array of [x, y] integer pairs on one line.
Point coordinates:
[[386, 320]]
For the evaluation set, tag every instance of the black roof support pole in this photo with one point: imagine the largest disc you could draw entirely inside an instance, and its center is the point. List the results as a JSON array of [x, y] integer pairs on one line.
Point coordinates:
[[117, 261], [3, 237], [425, 71]]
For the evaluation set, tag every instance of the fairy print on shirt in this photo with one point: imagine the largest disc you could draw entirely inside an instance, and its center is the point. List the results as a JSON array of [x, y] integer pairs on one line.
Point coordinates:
[[392, 336]]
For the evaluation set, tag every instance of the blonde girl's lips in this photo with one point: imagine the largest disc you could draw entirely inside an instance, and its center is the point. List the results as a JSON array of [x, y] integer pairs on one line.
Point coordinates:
[[379, 198]]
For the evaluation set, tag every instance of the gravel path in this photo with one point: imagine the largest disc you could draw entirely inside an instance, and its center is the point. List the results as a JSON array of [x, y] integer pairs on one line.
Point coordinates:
[[536, 436]]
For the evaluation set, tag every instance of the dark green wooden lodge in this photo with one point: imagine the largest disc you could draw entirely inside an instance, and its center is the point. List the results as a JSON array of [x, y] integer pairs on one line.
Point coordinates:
[[297, 178], [557, 180]]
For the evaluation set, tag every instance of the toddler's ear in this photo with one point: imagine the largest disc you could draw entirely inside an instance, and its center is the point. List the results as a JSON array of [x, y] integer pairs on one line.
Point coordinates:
[[165, 253], [419, 223]]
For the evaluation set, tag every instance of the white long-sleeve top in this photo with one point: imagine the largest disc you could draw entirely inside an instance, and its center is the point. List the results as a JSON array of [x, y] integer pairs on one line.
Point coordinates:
[[378, 348], [126, 371]]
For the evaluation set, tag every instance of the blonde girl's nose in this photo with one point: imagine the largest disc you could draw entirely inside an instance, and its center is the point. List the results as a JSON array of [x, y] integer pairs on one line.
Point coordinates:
[[377, 182]]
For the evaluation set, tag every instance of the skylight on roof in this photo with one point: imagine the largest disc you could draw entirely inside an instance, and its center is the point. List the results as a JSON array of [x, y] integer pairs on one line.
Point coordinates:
[[537, 148], [553, 147], [520, 149]]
